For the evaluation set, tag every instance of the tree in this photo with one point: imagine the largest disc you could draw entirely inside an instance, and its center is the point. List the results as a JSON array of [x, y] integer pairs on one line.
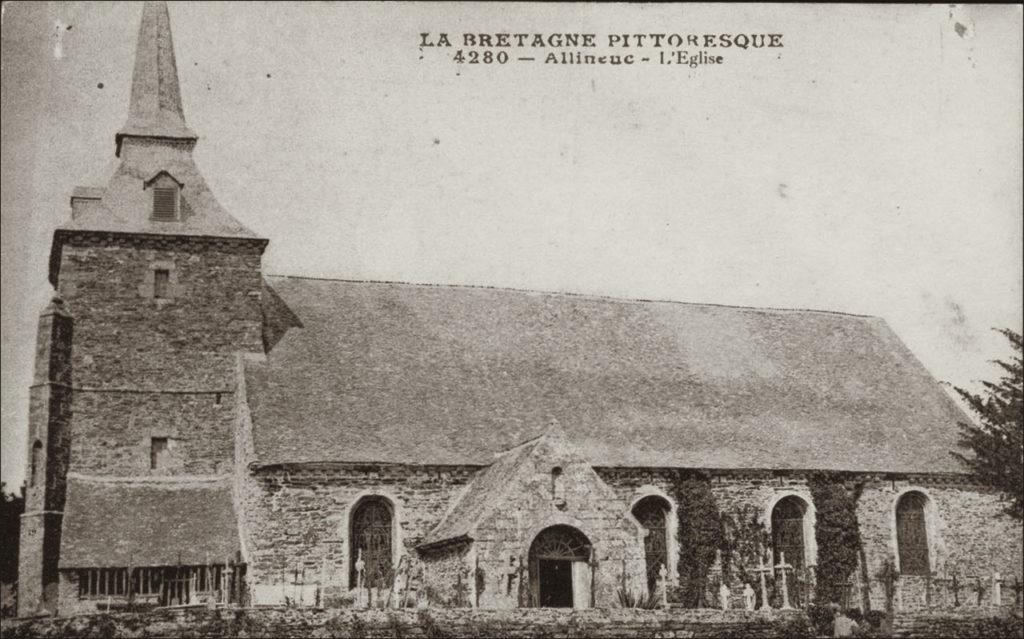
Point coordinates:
[[838, 535], [701, 534], [997, 440], [11, 507]]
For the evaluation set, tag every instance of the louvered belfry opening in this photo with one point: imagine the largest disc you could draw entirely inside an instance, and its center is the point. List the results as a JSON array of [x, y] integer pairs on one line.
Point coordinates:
[[912, 534], [165, 203]]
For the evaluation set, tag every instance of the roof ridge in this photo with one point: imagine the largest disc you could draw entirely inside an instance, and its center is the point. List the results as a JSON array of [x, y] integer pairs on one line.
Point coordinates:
[[591, 296]]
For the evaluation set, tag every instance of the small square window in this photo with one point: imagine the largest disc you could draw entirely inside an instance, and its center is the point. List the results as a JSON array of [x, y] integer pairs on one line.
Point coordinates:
[[161, 283], [165, 203], [157, 453]]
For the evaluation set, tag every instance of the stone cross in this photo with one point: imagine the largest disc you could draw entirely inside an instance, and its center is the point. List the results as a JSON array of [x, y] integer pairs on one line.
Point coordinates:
[[979, 589], [763, 571], [723, 595], [783, 567], [997, 589], [663, 581], [955, 587], [749, 598], [510, 573]]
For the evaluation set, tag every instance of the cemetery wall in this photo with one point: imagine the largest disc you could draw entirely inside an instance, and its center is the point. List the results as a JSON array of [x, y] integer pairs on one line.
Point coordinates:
[[459, 622]]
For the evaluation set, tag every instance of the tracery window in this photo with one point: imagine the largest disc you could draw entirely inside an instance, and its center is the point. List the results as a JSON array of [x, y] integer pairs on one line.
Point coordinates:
[[371, 531], [652, 513], [561, 542], [912, 534]]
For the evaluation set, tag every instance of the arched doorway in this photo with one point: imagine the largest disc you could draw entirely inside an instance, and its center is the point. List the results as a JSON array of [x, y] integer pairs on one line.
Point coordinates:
[[560, 570], [371, 532], [652, 513]]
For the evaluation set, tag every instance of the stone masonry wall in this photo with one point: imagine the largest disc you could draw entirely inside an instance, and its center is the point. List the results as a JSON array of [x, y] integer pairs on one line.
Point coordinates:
[[148, 367], [462, 622], [967, 530], [298, 517], [113, 431], [124, 338], [968, 534], [578, 498], [444, 571]]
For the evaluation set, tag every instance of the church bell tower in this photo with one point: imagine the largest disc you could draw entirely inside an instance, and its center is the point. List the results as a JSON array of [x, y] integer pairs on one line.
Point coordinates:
[[163, 286]]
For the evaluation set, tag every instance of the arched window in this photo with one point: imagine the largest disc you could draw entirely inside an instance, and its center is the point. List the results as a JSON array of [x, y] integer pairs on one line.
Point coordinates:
[[788, 530], [652, 513], [912, 534], [557, 486], [35, 462], [370, 539]]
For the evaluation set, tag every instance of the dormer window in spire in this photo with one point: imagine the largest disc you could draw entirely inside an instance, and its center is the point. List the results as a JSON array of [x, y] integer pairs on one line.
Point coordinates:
[[166, 191], [165, 203]]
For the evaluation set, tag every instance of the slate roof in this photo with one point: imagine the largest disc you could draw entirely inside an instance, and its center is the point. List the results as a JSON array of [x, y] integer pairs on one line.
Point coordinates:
[[154, 109], [165, 143], [389, 372], [161, 523], [480, 497], [125, 206]]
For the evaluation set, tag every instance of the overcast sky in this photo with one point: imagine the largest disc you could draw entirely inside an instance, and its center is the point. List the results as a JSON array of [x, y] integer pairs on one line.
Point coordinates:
[[872, 165]]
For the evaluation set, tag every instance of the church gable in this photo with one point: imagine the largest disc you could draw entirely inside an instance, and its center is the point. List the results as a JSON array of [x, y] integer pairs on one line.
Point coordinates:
[[537, 501]]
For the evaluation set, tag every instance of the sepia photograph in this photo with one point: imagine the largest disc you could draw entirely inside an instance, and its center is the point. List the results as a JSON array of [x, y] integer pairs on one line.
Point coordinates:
[[467, 319]]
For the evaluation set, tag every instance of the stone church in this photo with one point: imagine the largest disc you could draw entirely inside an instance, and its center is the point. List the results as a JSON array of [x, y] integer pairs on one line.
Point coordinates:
[[201, 431]]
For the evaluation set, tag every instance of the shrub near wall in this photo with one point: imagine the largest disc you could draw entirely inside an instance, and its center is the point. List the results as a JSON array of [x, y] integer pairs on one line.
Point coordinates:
[[838, 535], [701, 533]]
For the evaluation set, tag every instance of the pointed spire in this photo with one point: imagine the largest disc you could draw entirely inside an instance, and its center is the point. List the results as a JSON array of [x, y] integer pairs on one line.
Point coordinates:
[[155, 108]]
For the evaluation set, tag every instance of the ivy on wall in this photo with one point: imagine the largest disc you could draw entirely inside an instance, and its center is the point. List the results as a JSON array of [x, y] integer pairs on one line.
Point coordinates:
[[838, 535], [701, 533], [746, 539]]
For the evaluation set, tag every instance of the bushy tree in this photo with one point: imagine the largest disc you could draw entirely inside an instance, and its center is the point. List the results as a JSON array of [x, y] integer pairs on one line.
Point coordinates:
[[701, 533], [10, 525], [838, 536], [997, 440], [11, 508]]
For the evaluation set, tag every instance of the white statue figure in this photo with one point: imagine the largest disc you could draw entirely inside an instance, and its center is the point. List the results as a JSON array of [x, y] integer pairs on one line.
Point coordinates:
[[763, 571], [723, 595], [997, 589], [361, 597], [749, 598]]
